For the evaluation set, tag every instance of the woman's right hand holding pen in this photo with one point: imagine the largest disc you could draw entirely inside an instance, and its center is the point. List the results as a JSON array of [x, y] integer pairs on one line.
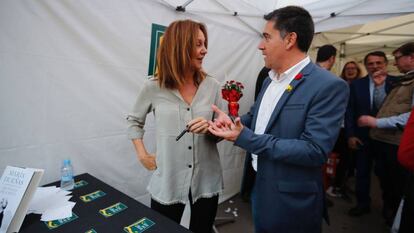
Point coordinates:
[[198, 125]]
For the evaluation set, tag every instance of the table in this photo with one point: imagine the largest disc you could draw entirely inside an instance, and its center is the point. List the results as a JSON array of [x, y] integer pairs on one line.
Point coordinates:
[[91, 218]]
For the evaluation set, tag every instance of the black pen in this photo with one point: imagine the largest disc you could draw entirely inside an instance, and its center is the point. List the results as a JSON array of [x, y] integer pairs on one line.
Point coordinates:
[[182, 134]]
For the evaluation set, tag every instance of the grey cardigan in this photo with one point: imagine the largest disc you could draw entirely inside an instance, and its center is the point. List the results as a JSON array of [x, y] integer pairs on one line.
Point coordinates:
[[191, 163]]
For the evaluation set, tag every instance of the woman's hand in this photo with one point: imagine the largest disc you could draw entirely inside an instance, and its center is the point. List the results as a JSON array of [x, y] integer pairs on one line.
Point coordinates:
[[148, 161], [198, 125]]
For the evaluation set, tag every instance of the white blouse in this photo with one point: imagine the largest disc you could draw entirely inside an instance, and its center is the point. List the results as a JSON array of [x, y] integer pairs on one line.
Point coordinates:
[[192, 162]]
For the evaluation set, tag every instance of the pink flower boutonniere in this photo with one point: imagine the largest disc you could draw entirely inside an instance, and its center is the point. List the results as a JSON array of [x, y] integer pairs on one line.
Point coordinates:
[[298, 76]]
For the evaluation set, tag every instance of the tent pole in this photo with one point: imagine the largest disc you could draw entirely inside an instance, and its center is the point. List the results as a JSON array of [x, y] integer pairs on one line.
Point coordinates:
[[342, 56], [370, 33], [377, 31], [373, 49]]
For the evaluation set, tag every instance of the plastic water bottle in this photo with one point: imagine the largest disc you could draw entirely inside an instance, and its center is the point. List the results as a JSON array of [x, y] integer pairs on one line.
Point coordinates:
[[67, 182]]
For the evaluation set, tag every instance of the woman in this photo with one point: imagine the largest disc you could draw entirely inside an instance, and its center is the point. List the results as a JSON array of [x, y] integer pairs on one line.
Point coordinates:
[[186, 170], [351, 71]]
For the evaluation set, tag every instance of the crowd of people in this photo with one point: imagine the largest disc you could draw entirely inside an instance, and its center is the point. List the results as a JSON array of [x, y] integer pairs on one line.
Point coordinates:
[[378, 109], [300, 109]]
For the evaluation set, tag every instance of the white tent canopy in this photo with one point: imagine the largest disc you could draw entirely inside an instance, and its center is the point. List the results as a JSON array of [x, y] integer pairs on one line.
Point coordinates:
[[70, 72], [327, 14], [356, 41], [355, 27]]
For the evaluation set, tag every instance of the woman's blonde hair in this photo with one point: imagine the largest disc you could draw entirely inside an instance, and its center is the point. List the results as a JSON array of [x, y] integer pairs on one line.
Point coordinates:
[[357, 67], [176, 50]]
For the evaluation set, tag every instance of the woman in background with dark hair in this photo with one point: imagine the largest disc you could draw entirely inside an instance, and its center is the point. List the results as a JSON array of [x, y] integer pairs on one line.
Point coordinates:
[[186, 169]]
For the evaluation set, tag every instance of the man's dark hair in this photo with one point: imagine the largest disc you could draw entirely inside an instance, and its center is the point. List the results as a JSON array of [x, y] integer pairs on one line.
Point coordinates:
[[377, 54], [294, 19], [405, 49], [325, 52]]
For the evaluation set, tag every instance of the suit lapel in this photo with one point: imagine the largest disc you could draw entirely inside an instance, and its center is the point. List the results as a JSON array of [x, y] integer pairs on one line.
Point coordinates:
[[286, 94], [365, 90], [266, 84]]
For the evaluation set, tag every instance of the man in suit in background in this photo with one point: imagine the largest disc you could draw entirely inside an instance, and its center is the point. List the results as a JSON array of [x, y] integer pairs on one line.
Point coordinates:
[[366, 97], [386, 135], [325, 57], [290, 129]]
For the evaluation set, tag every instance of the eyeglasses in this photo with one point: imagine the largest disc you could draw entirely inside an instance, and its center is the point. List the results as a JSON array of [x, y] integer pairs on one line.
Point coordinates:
[[398, 57]]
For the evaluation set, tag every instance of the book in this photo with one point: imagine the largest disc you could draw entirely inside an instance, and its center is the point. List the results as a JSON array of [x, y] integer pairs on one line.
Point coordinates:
[[17, 187]]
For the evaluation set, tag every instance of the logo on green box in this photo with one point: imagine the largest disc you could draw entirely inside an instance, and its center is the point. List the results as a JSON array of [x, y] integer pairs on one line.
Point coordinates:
[[59, 222], [80, 183], [113, 209], [139, 226], [92, 196]]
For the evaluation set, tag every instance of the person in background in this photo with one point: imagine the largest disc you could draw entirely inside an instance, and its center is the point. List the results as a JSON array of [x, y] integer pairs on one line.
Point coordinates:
[[290, 129], [406, 148], [362, 102], [246, 188], [263, 74], [406, 158], [187, 170], [351, 72], [325, 57], [386, 131]]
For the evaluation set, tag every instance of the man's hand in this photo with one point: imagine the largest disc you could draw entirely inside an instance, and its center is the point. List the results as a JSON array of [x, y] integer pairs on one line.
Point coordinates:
[[229, 131], [367, 121], [222, 118], [354, 143], [379, 77], [198, 125], [148, 161]]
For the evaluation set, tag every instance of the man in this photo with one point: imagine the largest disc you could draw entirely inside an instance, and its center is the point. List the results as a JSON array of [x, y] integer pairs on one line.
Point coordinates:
[[386, 133], [290, 129], [366, 96], [325, 57]]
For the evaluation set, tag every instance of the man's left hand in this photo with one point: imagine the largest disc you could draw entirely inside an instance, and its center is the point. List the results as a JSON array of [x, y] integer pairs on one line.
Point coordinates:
[[367, 121], [229, 132], [379, 77]]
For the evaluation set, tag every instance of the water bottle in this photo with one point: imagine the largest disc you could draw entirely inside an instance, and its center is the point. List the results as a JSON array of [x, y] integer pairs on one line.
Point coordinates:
[[67, 182]]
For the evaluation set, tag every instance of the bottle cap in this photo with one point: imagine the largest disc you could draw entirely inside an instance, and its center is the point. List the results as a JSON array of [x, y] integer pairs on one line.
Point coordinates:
[[66, 162]]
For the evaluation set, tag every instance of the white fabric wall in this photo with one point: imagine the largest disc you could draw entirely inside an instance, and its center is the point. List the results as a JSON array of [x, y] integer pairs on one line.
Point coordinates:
[[70, 72]]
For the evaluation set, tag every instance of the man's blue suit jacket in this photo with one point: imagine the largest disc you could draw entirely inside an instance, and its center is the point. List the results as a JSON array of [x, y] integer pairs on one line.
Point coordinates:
[[360, 104], [301, 132]]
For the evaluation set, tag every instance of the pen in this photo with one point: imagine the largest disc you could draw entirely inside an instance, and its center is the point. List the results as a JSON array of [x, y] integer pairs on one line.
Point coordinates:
[[182, 134]]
